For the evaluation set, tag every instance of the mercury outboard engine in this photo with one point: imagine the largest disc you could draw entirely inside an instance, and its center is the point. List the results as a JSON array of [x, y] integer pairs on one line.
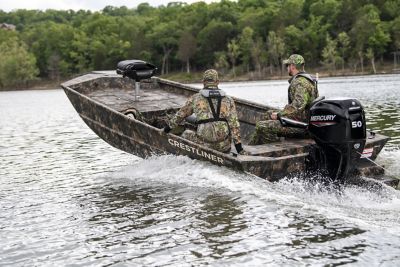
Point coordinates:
[[136, 70], [339, 130]]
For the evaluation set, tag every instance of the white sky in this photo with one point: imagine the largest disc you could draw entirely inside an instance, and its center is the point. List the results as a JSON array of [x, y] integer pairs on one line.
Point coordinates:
[[93, 5]]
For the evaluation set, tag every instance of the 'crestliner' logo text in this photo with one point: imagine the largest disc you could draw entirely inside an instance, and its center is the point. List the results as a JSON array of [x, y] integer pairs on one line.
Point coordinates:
[[195, 151], [323, 118]]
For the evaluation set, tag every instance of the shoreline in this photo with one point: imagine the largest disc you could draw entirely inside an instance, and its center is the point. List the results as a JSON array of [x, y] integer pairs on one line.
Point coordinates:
[[195, 77], [249, 77]]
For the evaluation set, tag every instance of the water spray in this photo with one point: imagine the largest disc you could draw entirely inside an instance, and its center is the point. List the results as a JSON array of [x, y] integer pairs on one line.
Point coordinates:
[[383, 168]]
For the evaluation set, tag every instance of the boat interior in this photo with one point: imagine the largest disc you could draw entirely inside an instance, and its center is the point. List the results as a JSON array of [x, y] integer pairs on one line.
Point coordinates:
[[158, 101]]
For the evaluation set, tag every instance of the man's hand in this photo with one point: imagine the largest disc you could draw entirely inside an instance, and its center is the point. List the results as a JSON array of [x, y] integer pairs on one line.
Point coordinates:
[[271, 114], [240, 149], [274, 116], [243, 153], [167, 129]]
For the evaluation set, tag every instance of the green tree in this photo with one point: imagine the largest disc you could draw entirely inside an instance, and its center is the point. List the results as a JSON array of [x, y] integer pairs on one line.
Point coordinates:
[[70, 42], [233, 53], [369, 32], [6, 35], [314, 39], [221, 61], [344, 45], [50, 39], [327, 9], [391, 9], [132, 29], [17, 65], [165, 36], [330, 54], [395, 30], [276, 50], [259, 55], [245, 45], [289, 13], [106, 44], [213, 38], [79, 52], [225, 11], [187, 48], [293, 38], [116, 11], [144, 9], [258, 18], [370, 55], [194, 17]]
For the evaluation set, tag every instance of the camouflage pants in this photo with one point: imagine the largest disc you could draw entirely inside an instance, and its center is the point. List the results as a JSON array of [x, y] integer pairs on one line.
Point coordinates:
[[270, 131], [224, 146]]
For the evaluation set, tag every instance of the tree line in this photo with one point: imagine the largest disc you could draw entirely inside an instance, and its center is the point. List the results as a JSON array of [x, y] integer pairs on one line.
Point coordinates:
[[235, 37]]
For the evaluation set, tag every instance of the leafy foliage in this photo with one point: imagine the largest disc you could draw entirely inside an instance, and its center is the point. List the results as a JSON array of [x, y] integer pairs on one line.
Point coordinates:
[[248, 35], [17, 65]]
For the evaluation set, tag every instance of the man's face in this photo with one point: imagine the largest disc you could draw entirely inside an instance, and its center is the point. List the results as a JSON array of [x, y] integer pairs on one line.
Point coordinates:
[[291, 69]]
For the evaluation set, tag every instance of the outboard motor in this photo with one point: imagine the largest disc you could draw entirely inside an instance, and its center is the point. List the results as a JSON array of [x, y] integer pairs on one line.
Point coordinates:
[[136, 70], [339, 130]]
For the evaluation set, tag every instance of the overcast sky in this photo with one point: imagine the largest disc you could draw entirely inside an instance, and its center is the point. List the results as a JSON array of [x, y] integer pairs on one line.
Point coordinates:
[[94, 5]]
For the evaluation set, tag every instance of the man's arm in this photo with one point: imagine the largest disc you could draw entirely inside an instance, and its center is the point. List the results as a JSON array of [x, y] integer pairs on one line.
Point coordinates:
[[184, 112]]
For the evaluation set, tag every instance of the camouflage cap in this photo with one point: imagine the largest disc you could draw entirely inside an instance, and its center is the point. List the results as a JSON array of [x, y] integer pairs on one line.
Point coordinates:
[[210, 77], [294, 59]]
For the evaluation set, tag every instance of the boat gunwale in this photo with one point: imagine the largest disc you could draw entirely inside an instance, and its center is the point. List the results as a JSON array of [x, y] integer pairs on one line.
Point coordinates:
[[236, 99]]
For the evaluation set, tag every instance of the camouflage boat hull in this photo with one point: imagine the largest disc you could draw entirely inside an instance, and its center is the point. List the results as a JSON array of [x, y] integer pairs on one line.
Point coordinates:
[[106, 103]]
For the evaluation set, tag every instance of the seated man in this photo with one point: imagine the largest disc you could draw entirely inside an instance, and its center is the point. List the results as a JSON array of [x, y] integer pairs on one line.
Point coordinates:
[[301, 93], [216, 117]]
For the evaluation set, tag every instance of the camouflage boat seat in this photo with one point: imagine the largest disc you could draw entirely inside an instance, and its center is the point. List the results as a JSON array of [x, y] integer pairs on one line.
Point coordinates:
[[279, 149]]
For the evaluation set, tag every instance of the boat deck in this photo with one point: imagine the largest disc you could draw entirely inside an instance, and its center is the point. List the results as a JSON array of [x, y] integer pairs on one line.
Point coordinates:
[[149, 100]]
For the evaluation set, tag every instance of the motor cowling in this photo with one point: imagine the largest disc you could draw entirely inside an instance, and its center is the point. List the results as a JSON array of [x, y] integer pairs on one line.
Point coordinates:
[[339, 129]]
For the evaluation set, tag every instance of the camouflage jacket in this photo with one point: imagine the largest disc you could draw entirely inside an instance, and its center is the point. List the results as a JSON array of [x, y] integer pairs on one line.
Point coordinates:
[[211, 132], [302, 91]]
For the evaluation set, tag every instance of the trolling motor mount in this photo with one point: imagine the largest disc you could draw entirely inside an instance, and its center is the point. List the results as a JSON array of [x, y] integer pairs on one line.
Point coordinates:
[[136, 70]]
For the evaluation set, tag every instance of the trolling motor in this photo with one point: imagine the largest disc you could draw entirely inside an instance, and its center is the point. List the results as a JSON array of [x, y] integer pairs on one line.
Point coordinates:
[[136, 70], [339, 130]]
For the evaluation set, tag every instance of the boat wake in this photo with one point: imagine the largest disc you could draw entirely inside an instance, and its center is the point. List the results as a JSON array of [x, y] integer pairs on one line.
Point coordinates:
[[389, 159], [365, 207]]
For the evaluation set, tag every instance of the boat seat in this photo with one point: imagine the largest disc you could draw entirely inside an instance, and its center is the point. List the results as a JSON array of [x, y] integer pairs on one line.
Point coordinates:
[[282, 148]]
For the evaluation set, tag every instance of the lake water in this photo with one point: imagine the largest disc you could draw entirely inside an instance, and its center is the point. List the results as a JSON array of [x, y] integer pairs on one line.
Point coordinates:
[[69, 199]]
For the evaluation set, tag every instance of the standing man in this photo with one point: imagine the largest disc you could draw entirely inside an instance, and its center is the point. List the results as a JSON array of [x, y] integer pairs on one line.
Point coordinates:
[[301, 93], [216, 117]]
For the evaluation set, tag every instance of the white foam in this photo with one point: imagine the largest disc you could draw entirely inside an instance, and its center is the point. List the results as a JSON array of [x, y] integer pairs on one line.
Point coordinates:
[[389, 157], [366, 208]]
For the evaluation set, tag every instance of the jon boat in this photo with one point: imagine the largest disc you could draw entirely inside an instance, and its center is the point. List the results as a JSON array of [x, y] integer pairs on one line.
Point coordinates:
[[132, 120]]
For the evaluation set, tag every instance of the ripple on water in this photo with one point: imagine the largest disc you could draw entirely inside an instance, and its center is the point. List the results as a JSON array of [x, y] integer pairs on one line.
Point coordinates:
[[68, 198], [268, 216]]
